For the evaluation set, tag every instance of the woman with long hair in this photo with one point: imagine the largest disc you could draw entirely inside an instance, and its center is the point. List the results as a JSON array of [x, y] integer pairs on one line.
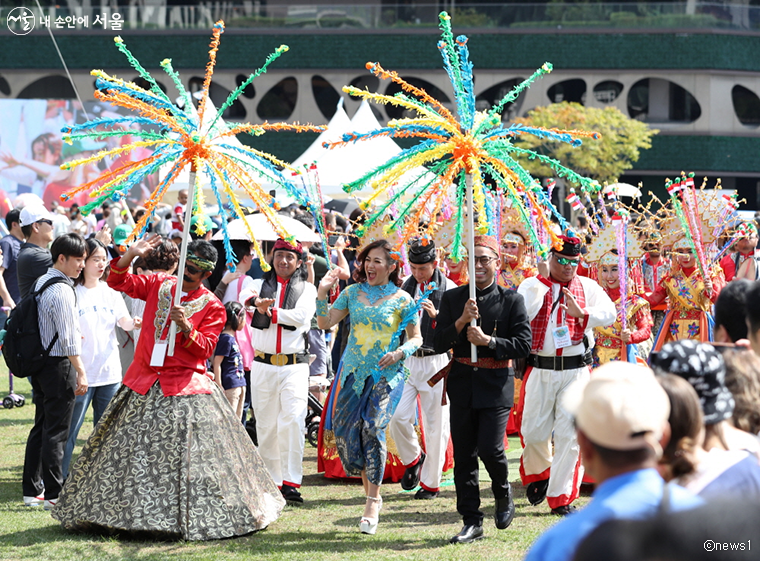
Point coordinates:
[[372, 372], [100, 309]]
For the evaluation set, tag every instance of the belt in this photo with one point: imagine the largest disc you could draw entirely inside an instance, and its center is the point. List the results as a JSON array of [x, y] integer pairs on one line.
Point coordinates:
[[420, 353], [560, 362], [281, 359]]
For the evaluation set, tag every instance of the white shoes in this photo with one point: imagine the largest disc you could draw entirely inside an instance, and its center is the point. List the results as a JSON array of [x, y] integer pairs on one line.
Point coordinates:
[[50, 505], [35, 501], [368, 525]]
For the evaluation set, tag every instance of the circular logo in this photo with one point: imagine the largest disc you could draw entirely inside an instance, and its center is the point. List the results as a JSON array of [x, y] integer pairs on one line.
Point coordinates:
[[20, 21]]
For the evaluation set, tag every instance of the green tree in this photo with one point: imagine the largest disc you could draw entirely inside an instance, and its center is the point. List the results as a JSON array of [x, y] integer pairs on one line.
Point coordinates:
[[622, 140]]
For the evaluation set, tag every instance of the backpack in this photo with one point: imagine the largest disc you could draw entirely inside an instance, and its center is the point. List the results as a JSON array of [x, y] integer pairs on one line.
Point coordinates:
[[22, 346]]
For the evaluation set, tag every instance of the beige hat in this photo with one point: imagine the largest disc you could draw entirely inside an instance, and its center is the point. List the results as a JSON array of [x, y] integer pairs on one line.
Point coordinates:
[[622, 407]]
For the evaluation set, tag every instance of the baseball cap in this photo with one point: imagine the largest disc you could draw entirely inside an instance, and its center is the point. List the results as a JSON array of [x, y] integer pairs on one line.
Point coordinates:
[[121, 233], [621, 407], [31, 214]]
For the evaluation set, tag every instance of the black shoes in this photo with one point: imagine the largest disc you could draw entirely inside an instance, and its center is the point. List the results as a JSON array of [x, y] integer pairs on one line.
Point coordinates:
[[536, 492], [291, 495], [504, 511], [468, 534], [411, 477], [564, 510], [425, 494]]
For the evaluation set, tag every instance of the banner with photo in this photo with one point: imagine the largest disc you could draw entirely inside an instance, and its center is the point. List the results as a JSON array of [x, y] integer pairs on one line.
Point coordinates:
[[32, 151]]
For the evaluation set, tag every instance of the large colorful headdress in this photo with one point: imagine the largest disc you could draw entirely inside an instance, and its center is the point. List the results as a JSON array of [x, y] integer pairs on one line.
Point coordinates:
[[604, 247]]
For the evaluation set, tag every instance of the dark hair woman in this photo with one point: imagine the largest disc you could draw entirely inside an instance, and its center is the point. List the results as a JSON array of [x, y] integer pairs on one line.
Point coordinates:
[[371, 377]]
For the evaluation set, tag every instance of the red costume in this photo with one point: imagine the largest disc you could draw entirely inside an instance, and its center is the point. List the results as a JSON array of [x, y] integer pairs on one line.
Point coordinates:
[[185, 372]]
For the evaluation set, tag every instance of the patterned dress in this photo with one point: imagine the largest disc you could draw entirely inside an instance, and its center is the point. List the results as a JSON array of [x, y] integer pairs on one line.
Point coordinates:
[[363, 398], [609, 345], [688, 313], [169, 458]]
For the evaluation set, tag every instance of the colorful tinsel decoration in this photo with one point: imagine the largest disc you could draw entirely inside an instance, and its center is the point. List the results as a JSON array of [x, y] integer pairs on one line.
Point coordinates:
[[180, 137], [473, 144]]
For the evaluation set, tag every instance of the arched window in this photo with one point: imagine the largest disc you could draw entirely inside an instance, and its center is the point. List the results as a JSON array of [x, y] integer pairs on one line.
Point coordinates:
[[393, 88], [607, 91], [325, 95], [49, 87], [573, 90], [280, 101], [496, 93], [746, 106], [218, 95], [654, 100], [249, 91]]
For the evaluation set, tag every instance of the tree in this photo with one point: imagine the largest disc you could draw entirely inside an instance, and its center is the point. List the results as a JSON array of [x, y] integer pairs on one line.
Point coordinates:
[[622, 140]]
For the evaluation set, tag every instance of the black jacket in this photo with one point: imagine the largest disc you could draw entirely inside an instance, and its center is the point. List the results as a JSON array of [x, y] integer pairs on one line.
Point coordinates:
[[504, 317]]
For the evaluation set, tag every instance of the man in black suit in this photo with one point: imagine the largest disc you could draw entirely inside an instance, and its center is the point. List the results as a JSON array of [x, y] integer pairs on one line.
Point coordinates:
[[482, 393]]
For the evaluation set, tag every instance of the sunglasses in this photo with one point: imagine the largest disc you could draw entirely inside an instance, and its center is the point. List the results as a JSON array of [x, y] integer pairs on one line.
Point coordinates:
[[567, 261], [484, 260], [192, 270], [45, 221]]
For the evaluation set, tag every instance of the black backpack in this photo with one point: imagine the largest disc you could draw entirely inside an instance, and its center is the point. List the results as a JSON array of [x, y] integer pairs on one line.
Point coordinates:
[[22, 346]]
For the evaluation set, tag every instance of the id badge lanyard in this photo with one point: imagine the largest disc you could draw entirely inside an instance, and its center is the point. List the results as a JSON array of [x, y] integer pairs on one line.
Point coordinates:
[[160, 347], [560, 333]]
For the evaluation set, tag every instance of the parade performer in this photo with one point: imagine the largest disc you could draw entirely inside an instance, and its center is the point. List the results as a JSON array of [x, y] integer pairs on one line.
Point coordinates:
[[516, 267], [619, 341], [160, 458], [423, 468], [372, 372], [481, 393], [563, 308], [744, 263], [689, 298], [654, 267], [283, 305]]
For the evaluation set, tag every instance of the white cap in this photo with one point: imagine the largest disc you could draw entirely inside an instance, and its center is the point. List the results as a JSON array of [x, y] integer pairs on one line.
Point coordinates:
[[622, 407], [31, 214]]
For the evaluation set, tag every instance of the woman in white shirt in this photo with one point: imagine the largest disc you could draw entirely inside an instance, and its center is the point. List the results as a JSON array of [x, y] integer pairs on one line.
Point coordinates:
[[100, 309]]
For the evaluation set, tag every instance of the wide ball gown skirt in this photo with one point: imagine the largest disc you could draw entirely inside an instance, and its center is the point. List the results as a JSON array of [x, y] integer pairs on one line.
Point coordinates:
[[175, 467]]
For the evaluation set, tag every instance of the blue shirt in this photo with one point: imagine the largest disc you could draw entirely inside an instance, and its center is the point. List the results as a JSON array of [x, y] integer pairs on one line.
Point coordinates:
[[632, 495]]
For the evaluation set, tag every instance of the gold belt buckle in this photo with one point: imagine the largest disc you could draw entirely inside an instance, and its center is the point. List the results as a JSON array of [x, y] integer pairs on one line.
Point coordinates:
[[279, 360]]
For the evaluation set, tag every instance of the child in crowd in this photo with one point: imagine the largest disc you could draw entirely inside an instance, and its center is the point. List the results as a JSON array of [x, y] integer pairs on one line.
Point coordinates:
[[228, 362]]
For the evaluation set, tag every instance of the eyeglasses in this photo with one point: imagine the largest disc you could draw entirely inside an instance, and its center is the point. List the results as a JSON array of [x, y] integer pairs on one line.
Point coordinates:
[[45, 221], [484, 260], [566, 261]]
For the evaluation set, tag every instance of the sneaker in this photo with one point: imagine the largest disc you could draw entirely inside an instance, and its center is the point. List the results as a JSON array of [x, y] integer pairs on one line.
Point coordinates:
[[291, 495], [34, 501], [50, 504]]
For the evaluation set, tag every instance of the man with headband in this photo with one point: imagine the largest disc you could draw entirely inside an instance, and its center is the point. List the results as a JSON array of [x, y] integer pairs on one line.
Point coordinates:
[[283, 305], [563, 308], [423, 468], [481, 393], [744, 262]]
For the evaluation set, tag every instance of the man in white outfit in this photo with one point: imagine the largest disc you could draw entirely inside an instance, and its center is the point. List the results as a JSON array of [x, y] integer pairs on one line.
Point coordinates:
[[423, 468], [563, 309], [283, 305]]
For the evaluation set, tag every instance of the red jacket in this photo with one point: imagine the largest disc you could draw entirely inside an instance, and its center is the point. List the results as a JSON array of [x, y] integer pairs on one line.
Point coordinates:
[[185, 372]]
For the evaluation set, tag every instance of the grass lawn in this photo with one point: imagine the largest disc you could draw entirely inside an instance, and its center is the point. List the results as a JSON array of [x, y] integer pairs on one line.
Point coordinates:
[[326, 527]]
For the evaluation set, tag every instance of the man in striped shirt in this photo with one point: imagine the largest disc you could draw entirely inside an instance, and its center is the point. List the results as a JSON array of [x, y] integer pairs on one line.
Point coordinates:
[[62, 377]]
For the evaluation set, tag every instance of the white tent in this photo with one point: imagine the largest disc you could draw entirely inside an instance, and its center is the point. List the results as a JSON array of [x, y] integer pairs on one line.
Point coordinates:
[[344, 164], [338, 125]]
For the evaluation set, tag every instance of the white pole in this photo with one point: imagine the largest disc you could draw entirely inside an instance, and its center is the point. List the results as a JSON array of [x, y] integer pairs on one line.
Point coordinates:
[[471, 255], [183, 255]]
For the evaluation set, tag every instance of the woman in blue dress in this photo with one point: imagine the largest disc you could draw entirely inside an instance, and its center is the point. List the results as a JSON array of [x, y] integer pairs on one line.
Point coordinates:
[[372, 373]]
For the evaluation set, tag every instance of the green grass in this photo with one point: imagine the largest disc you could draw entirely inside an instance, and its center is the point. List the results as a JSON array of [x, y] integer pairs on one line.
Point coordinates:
[[326, 527]]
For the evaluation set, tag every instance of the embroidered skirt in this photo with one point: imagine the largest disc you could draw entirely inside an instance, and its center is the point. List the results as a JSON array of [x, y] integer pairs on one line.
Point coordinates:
[[174, 467], [360, 423]]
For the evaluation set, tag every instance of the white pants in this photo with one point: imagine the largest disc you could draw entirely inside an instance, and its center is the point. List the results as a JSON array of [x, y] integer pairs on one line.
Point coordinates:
[[435, 419], [279, 397], [542, 416]]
